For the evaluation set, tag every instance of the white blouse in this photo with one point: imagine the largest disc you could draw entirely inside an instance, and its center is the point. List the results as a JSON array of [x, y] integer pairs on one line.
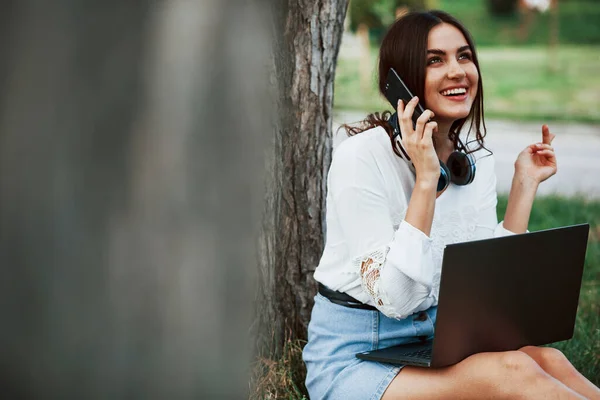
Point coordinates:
[[371, 252]]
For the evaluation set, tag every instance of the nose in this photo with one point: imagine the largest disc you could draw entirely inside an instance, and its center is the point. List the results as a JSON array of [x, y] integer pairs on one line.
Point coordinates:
[[455, 70]]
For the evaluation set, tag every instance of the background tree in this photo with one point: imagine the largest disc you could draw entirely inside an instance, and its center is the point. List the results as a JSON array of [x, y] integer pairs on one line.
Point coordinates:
[[377, 15], [307, 38], [554, 37], [369, 20], [502, 7]]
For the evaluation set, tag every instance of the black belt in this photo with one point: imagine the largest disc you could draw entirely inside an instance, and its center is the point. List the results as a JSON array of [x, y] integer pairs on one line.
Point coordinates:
[[343, 299]]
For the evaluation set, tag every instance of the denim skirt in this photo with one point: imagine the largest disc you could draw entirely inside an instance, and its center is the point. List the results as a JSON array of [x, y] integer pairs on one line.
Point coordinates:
[[336, 333]]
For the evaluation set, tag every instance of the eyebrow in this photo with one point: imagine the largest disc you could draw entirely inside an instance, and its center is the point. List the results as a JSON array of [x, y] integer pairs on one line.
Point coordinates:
[[443, 53]]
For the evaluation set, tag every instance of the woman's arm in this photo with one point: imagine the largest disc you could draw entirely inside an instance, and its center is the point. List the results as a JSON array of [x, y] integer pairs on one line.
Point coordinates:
[[418, 143], [520, 202], [394, 264], [421, 206], [534, 165]]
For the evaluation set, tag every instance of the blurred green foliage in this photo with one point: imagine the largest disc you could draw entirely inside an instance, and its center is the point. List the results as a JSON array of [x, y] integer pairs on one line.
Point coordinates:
[[579, 23], [579, 20], [378, 14]]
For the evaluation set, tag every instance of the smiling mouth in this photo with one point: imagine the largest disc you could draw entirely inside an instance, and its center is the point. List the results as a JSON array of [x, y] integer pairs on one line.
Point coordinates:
[[454, 92]]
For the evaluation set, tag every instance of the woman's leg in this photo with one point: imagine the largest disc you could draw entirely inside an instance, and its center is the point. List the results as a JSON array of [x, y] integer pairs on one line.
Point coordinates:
[[555, 363], [506, 375]]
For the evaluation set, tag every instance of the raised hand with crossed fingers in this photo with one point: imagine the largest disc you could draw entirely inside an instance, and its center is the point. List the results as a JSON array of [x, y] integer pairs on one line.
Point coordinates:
[[537, 161]]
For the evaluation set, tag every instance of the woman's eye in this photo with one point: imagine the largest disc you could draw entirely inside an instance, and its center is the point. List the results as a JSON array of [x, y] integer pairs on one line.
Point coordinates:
[[465, 56], [433, 60]]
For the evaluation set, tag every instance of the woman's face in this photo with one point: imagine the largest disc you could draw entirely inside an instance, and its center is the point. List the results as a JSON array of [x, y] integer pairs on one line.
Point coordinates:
[[451, 77]]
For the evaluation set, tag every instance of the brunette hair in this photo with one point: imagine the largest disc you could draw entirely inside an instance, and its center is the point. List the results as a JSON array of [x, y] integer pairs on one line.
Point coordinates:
[[404, 48]]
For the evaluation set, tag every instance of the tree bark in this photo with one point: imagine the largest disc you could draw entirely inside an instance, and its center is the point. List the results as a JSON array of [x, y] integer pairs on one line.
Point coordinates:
[[307, 38]]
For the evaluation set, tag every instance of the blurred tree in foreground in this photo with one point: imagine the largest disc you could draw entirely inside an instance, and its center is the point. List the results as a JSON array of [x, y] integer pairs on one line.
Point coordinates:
[[131, 179], [132, 144]]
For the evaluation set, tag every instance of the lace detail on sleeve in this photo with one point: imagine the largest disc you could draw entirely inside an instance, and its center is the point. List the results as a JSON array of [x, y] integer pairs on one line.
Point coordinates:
[[370, 267]]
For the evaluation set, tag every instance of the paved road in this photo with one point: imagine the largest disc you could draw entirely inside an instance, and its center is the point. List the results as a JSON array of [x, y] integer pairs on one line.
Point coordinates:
[[577, 147]]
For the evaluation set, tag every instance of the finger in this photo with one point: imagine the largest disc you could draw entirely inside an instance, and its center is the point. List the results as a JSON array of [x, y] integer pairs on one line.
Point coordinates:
[[542, 146], [410, 109], [428, 131], [547, 137], [405, 119], [546, 153], [422, 120], [410, 106], [400, 107]]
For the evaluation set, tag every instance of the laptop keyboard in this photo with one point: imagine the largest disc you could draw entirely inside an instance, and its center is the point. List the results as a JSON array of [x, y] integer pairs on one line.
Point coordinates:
[[425, 353]]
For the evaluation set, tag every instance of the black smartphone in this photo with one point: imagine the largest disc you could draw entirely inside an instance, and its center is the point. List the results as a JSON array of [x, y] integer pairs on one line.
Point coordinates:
[[396, 89]]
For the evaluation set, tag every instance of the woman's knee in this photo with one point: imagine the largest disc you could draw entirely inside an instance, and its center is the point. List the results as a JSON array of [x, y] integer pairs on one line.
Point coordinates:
[[547, 357], [506, 364], [517, 361], [520, 374], [520, 369], [508, 374]]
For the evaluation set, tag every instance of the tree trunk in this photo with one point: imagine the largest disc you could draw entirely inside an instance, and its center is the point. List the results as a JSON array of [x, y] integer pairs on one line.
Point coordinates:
[[431, 4], [307, 38], [502, 7], [553, 41], [365, 67]]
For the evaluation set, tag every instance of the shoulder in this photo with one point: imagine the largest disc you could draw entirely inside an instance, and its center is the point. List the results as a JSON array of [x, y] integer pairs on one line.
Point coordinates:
[[362, 160], [363, 146]]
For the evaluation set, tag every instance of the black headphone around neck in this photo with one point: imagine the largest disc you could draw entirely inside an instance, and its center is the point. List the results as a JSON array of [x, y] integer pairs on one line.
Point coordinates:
[[459, 169]]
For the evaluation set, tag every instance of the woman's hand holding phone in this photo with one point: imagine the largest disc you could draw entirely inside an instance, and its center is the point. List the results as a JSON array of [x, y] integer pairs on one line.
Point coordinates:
[[418, 142]]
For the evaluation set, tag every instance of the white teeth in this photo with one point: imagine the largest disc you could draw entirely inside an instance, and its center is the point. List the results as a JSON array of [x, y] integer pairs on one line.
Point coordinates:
[[454, 91]]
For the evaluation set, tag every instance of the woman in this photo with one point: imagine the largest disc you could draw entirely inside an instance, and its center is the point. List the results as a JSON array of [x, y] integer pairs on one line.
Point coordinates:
[[387, 225]]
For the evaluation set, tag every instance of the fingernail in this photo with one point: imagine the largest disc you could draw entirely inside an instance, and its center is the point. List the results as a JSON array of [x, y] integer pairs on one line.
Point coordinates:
[[399, 103], [415, 98]]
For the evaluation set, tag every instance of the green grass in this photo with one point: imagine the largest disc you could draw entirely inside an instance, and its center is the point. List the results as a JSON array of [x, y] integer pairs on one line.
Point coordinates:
[[281, 378], [518, 84], [284, 378]]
